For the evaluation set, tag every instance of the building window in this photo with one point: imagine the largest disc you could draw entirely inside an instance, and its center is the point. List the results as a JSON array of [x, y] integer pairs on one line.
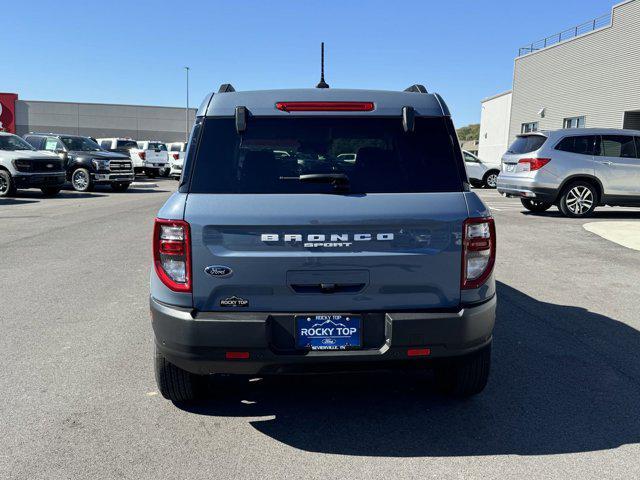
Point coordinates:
[[529, 127], [574, 122]]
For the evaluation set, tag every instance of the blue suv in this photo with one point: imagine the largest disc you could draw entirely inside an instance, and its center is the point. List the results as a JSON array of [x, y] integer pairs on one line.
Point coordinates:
[[320, 230]]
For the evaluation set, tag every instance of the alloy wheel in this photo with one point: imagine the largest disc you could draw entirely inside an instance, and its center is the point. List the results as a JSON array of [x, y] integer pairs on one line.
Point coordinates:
[[492, 180], [579, 200], [80, 180], [4, 184]]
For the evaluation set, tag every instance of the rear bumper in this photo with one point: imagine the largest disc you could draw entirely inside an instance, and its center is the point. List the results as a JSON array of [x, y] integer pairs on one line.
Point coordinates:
[[199, 343], [155, 166], [37, 180], [513, 186]]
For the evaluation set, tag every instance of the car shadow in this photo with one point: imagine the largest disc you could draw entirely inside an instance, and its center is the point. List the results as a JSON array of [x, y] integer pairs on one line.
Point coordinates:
[[15, 201], [64, 193], [141, 190], [597, 214], [564, 380]]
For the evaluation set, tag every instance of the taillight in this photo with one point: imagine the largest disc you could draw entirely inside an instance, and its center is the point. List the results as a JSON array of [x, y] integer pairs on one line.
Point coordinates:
[[325, 106], [176, 156], [531, 164], [172, 254], [478, 251], [142, 155]]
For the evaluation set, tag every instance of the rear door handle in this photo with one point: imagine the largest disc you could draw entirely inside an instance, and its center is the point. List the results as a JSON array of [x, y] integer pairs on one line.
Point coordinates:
[[607, 163]]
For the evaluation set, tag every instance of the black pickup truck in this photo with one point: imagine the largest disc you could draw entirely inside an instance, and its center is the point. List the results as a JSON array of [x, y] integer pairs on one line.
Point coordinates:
[[86, 163]]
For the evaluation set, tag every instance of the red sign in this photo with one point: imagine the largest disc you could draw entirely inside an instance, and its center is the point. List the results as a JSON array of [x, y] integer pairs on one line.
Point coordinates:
[[8, 112]]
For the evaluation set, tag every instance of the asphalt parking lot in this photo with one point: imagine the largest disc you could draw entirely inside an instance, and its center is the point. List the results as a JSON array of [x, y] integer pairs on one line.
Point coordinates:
[[79, 398]]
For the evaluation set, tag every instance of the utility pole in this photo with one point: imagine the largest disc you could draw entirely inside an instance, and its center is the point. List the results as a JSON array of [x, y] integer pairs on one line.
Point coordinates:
[[186, 112]]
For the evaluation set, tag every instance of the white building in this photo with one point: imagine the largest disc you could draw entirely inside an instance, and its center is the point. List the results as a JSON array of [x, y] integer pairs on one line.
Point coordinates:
[[168, 124], [494, 127], [585, 76]]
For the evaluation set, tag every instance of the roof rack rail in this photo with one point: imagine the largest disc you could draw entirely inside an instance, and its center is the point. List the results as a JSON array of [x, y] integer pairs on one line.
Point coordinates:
[[416, 88], [226, 88]]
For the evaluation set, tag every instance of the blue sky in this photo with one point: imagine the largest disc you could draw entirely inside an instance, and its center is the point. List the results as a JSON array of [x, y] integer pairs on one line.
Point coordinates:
[[134, 51]]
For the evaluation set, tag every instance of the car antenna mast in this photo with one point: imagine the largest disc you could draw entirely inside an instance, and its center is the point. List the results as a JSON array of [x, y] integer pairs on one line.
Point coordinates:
[[322, 83]]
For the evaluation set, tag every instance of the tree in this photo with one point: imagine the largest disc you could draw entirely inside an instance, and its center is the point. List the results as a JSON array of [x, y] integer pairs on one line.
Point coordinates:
[[470, 132]]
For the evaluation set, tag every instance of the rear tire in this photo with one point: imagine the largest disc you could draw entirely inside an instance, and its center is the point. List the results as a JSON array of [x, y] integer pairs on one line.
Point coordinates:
[[579, 199], [465, 376], [7, 187], [535, 205], [174, 383], [120, 186], [50, 191]]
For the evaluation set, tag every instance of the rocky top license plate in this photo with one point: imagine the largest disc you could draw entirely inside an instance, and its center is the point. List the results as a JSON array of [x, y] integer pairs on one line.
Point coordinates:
[[328, 332]]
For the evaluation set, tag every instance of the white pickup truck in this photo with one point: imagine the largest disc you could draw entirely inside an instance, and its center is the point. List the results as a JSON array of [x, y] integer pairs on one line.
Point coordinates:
[[155, 157], [146, 156], [176, 158]]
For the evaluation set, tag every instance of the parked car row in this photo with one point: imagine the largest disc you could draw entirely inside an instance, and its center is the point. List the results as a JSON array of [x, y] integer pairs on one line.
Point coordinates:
[[576, 170], [48, 160]]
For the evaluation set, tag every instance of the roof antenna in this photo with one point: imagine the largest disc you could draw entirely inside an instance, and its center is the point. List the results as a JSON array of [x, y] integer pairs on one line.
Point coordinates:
[[322, 83]]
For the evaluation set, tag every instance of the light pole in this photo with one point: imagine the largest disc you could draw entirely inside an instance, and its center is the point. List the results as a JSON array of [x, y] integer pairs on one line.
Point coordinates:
[[186, 112]]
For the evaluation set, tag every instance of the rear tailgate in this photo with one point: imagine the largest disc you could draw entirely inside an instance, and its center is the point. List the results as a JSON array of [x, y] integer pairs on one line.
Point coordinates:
[[156, 156], [343, 253]]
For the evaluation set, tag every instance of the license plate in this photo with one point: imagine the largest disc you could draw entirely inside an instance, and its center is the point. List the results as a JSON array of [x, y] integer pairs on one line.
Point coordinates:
[[328, 332]]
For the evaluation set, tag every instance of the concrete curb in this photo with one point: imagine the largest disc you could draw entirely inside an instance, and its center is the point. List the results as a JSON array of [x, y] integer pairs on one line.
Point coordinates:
[[143, 185]]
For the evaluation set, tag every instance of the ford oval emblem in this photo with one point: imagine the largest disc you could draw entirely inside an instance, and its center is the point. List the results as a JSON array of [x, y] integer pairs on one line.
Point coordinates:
[[219, 271]]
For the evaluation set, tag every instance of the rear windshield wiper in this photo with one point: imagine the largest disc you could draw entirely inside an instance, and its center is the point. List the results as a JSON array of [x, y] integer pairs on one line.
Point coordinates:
[[339, 181]]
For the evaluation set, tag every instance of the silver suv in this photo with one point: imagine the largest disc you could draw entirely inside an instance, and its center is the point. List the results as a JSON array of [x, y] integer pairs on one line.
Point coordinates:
[[574, 169]]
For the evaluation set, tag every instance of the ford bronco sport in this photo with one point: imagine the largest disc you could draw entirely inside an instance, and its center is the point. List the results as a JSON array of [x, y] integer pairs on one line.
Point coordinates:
[[320, 230]]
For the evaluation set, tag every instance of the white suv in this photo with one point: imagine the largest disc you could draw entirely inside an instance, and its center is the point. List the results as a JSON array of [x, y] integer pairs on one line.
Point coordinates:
[[22, 166], [480, 173], [575, 169]]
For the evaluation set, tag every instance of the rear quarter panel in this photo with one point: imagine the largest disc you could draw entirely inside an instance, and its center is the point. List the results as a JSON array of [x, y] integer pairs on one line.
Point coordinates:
[[173, 209], [477, 208]]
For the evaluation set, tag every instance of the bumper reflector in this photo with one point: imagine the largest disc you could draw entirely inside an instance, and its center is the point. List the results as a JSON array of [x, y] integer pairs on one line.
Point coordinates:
[[418, 352], [236, 355]]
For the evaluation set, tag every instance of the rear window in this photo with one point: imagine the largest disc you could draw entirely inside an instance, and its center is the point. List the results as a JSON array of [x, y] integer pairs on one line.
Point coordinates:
[[128, 144], [375, 154], [157, 146], [527, 144]]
